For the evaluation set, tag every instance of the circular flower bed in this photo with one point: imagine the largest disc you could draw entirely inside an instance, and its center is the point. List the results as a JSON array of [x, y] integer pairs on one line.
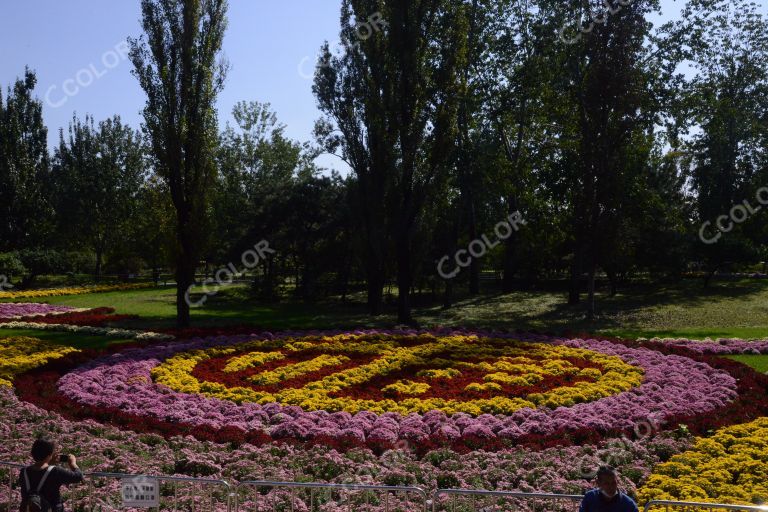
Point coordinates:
[[379, 388], [307, 406]]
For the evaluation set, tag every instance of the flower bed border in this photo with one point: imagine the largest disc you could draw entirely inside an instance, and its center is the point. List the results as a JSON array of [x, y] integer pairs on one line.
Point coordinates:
[[101, 331]]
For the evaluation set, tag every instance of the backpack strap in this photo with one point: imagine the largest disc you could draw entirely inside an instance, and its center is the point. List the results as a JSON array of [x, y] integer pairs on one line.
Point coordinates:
[[45, 477], [42, 480]]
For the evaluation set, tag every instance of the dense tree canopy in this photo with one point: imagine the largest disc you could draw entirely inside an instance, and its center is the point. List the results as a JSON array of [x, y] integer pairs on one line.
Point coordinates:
[[626, 149]]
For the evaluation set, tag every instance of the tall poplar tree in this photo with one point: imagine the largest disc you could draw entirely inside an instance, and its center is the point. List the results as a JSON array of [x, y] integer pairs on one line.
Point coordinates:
[[179, 68], [394, 97]]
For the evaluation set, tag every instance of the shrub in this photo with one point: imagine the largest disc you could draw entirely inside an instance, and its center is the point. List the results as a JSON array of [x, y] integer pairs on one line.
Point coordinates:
[[11, 265]]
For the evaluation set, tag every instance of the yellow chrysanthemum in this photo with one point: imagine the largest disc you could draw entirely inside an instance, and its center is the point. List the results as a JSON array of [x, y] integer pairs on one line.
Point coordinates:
[[21, 353]]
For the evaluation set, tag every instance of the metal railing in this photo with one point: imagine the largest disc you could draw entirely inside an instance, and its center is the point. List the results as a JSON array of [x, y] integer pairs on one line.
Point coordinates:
[[469, 500], [312, 496], [176, 493], [103, 492], [694, 506]]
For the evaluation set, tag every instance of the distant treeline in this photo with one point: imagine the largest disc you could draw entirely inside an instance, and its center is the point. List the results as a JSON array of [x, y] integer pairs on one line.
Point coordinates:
[[626, 149]]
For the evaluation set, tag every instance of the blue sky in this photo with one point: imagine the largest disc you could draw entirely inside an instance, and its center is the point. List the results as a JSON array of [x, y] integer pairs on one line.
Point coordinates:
[[270, 45]]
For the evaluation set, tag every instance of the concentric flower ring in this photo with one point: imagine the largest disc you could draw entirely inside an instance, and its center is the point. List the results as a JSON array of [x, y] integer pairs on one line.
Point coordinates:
[[381, 387]]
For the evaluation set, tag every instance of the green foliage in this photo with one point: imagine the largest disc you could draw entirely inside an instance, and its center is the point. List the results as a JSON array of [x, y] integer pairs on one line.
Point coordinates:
[[96, 173], [393, 98], [723, 107], [11, 265], [269, 189], [42, 261], [24, 166]]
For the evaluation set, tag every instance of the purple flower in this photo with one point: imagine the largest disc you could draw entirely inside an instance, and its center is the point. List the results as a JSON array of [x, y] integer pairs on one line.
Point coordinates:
[[10, 310]]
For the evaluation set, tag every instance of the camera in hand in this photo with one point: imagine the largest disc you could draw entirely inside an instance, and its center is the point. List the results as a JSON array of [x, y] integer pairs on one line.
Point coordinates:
[[63, 458]]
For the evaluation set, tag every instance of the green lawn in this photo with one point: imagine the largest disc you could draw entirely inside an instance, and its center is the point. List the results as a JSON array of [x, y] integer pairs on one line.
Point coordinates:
[[685, 309], [759, 363]]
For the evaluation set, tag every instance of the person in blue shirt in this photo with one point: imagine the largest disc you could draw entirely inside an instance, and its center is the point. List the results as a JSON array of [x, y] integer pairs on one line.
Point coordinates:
[[607, 497]]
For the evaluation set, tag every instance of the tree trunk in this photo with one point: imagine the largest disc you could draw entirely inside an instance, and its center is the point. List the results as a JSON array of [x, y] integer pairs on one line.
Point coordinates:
[[574, 293], [269, 279], [185, 278], [708, 278], [454, 243], [99, 250], [375, 242], [591, 292], [448, 295], [404, 297], [404, 278], [186, 264], [307, 286], [513, 156], [28, 280], [508, 278], [474, 265], [613, 280], [99, 257], [344, 277], [375, 281], [375, 294]]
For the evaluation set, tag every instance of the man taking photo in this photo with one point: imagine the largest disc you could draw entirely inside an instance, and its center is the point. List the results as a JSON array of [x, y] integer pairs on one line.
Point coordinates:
[[607, 497]]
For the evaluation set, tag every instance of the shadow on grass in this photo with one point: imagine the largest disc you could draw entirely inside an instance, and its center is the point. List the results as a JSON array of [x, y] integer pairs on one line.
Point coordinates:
[[684, 309], [636, 309]]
